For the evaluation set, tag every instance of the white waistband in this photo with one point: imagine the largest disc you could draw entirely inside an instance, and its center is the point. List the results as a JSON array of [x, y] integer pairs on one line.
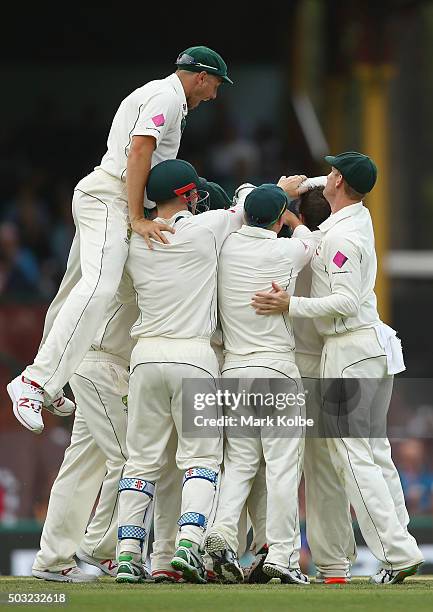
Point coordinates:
[[269, 355], [158, 340]]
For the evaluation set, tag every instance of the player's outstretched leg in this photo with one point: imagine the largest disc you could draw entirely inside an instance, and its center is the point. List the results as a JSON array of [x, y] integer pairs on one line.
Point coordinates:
[[225, 560]]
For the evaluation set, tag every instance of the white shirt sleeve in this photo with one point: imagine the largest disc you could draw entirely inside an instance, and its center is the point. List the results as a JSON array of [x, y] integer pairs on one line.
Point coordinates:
[[156, 116], [314, 181], [222, 222], [342, 259]]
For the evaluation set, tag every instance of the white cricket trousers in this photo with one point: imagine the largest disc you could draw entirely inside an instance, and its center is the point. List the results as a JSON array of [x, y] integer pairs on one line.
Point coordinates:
[[95, 265], [158, 366], [283, 457], [95, 457], [365, 466], [328, 520]]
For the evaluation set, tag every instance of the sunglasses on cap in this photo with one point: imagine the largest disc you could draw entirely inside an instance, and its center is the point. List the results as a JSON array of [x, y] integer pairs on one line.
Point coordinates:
[[187, 60]]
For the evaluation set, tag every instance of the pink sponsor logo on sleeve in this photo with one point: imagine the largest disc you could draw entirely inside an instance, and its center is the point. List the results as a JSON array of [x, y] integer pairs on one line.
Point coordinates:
[[158, 120], [339, 259]]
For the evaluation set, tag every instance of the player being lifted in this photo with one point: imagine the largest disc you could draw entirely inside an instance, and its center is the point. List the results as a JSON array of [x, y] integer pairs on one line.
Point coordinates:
[[107, 203]]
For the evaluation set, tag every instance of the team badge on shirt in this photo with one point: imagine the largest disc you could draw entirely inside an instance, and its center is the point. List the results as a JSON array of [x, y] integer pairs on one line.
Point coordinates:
[[339, 259], [158, 120]]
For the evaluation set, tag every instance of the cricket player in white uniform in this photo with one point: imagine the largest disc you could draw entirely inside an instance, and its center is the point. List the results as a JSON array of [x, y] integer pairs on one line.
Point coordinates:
[[258, 348], [176, 294], [328, 519], [357, 345], [94, 460], [168, 497], [146, 130]]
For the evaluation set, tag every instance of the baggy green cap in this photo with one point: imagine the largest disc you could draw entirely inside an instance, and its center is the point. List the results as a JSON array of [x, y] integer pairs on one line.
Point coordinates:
[[265, 205], [358, 170], [218, 198], [171, 178], [196, 59]]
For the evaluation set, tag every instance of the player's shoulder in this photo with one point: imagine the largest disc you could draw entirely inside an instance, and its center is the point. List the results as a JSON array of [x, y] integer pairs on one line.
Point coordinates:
[[157, 87]]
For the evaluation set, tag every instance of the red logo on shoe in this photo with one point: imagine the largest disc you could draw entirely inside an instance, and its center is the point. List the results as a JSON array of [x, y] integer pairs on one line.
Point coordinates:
[[24, 402], [109, 563], [66, 571]]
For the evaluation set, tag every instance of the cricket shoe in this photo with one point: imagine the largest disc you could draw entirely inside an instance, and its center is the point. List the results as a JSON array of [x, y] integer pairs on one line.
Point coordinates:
[[322, 578], [166, 576], [129, 570], [211, 576], [387, 576], [225, 560], [255, 573], [27, 401], [285, 574], [107, 566], [188, 560], [60, 405], [71, 574]]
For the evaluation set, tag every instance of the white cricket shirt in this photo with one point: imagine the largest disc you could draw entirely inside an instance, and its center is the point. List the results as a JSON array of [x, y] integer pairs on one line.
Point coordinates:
[[344, 274], [250, 260], [176, 283], [155, 109]]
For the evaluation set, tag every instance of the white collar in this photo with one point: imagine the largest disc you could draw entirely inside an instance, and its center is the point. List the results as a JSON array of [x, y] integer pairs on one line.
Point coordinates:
[[343, 213], [257, 232], [181, 214], [178, 87]]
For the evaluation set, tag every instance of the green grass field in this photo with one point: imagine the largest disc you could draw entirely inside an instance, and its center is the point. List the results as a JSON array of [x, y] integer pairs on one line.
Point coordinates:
[[105, 595]]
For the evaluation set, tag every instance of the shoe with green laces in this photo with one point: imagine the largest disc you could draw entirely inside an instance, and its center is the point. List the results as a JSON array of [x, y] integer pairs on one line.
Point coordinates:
[[129, 570], [188, 560]]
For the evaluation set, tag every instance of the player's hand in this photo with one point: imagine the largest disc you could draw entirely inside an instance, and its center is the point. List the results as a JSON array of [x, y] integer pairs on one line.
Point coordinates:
[[151, 229], [272, 302], [291, 185]]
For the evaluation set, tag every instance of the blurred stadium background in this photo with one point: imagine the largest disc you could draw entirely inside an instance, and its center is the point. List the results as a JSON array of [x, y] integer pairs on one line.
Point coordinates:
[[311, 77]]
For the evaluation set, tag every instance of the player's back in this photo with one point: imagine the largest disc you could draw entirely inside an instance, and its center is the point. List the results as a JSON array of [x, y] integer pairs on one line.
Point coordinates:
[[176, 282], [251, 259]]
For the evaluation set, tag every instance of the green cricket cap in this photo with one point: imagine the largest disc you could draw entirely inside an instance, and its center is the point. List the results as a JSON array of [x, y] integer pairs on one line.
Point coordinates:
[[196, 59], [170, 179], [358, 170], [264, 205], [218, 198]]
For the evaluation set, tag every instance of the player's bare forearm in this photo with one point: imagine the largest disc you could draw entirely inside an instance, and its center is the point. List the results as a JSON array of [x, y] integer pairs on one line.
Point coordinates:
[[138, 168]]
